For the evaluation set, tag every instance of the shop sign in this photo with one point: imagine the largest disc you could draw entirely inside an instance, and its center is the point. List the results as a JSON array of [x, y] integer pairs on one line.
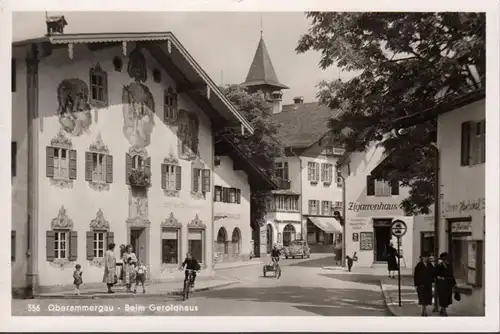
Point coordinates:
[[356, 207], [357, 223], [465, 206], [458, 227]]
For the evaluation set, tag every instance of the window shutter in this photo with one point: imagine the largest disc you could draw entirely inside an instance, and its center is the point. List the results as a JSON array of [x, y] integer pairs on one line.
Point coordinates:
[[395, 188], [72, 164], [330, 173], [323, 172], [90, 245], [88, 166], [13, 157], [49, 245], [309, 171], [317, 172], [13, 245], [310, 207], [178, 178], [147, 165], [206, 180], [110, 238], [370, 186], [128, 167], [73, 246], [163, 170], [238, 196], [109, 168], [224, 195], [50, 161], [483, 142], [195, 180], [465, 153]]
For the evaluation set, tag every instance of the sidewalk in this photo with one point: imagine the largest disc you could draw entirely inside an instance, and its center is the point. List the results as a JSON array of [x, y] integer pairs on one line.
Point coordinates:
[[375, 271], [409, 300], [170, 288]]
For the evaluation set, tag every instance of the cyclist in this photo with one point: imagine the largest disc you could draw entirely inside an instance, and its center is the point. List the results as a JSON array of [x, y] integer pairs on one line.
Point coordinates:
[[192, 264], [275, 255]]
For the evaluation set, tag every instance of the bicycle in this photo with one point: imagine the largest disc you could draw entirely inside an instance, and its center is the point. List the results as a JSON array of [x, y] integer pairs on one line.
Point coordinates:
[[188, 283]]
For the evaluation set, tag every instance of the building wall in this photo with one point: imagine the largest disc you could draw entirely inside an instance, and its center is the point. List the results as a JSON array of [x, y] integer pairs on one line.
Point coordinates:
[[362, 209], [82, 202], [465, 198], [423, 226], [20, 181], [237, 215]]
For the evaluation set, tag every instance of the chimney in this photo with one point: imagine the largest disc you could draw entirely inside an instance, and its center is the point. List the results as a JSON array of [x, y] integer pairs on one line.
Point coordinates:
[[277, 99], [298, 99], [55, 25]]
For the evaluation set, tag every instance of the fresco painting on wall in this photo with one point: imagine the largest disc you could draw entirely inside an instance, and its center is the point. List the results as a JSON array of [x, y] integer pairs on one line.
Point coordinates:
[[74, 109], [187, 134], [138, 114]]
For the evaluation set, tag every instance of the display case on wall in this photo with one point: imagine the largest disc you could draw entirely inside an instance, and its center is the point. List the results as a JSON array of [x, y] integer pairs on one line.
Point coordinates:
[[475, 263], [366, 241]]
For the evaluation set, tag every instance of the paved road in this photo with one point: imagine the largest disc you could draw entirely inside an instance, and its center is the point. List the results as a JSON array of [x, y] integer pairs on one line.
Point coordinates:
[[305, 289]]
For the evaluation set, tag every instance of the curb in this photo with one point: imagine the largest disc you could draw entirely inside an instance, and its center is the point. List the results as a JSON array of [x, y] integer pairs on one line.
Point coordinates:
[[128, 295], [388, 301]]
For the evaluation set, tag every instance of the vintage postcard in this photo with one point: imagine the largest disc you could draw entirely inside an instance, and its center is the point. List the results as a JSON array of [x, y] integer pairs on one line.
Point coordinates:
[[277, 165]]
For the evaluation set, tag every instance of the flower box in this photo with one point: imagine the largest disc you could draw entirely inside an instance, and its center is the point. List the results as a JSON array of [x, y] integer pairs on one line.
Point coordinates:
[[139, 178]]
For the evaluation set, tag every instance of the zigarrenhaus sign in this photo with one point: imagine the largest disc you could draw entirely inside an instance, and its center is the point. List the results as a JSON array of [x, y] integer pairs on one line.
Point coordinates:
[[356, 207]]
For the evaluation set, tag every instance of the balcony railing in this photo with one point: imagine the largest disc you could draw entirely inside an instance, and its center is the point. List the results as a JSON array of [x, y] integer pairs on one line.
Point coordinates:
[[283, 184]]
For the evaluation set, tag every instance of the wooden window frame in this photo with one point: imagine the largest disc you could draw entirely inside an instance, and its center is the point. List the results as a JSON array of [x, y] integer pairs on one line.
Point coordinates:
[[98, 72], [170, 106]]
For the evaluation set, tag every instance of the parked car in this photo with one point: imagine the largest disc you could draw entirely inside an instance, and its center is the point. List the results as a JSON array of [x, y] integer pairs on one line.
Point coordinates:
[[297, 248]]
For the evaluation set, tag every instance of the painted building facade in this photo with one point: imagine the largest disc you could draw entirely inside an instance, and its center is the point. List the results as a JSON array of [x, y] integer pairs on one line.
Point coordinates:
[[461, 142], [120, 150], [371, 206]]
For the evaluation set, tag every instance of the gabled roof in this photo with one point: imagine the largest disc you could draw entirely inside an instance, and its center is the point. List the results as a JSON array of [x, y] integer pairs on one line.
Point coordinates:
[[171, 54], [303, 124], [261, 72]]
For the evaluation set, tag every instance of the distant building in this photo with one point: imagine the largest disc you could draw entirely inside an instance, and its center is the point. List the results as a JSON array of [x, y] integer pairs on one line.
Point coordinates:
[[310, 188]]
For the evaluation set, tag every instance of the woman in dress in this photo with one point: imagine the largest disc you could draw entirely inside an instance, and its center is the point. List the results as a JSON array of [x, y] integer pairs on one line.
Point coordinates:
[[392, 262], [423, 278], [445, 283], [129, 262], [110, 267]]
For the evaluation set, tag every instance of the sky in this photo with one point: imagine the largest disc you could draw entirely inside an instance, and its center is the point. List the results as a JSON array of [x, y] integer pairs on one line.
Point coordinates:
[[223, 43]]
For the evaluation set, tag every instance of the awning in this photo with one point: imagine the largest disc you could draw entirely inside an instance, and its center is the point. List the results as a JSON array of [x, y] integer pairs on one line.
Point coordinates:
[[328, 225]]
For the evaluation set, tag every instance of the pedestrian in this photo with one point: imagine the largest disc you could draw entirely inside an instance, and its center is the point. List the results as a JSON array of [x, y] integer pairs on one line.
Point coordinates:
[[119, 264], [129, 261], [392, 262], [110, 277], [351, 260], [140, 277], [432, 262], [423, 277], [77, 278], [445, 283]]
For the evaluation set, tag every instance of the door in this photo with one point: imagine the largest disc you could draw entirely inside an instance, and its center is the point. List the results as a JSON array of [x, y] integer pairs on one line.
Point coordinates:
[[138, 241], [382, 240]]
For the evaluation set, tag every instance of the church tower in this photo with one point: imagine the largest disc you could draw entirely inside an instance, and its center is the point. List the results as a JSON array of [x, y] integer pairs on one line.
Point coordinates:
[[261, 76]]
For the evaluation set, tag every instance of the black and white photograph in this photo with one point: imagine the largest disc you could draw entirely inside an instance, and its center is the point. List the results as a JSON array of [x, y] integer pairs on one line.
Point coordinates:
[[252, 163]]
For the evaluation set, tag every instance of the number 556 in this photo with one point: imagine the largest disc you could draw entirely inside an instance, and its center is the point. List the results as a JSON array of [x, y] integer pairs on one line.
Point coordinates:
[[33, 308]]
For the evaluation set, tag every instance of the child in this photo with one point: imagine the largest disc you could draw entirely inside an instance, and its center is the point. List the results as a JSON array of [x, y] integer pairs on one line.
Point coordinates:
[[77, 278], [140, 276], [351, 260]]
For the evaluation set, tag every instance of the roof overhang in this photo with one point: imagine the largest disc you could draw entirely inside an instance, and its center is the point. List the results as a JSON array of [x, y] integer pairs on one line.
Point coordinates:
[[256, 83], [169, 52]]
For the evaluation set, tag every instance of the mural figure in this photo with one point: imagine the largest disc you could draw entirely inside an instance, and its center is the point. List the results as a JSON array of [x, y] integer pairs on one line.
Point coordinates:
[[138, 114], [138, 205], [187, 134], [74, 108]]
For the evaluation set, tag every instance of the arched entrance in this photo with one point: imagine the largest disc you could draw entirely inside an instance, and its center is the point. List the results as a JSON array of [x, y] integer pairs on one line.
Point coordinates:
[[222, 241], [269, 238], [236, 241], [288, 234]]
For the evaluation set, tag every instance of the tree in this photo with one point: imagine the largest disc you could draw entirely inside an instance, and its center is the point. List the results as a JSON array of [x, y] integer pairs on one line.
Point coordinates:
[[261, 147], [402, 63]]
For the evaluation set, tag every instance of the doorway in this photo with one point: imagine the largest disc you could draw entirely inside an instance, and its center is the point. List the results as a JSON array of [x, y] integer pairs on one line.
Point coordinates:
[[382, 232], [139, 242]]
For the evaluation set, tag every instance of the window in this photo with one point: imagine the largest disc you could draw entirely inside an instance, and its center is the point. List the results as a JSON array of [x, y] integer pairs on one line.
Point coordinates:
[[201, 180], [338, 177], [99, 244], [98, 167], [473, 143], [313, 207], [326, 208], [138, 162], [218, 194], [171, 177], [227, 195], [61, 163], [61, 244], [98, 86], [281, 170], [13, 158], [327, 173], [379, 187], [13, 76], [459, 250], [170, 246], [313, 172], [12, 246], [382, 188], [338, 205], [170, 111], [195, 239], [286, 203], [232, 195]]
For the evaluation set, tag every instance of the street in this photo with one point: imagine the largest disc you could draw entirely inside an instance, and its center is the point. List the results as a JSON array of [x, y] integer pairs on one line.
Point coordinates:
[[305, 289]]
